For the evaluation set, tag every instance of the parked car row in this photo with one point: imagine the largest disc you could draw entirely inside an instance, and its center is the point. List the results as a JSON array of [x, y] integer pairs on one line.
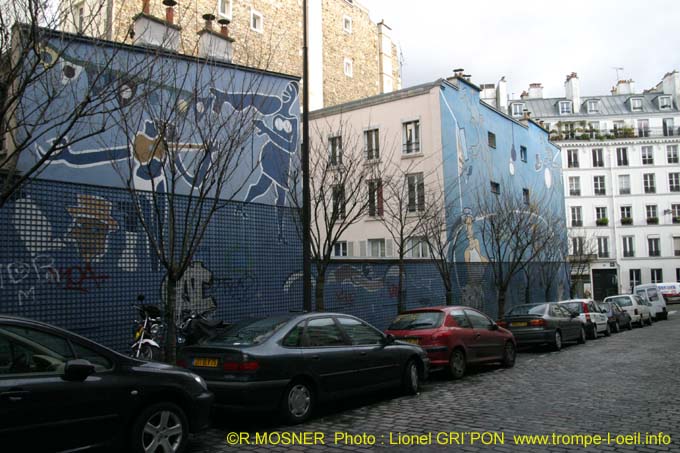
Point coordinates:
[[62, 392], [576, 320]]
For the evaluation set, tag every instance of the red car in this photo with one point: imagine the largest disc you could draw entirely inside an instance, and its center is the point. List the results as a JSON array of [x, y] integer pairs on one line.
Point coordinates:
[[454, 337]]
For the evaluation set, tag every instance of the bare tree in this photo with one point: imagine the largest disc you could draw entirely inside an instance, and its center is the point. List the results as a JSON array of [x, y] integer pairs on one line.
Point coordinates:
[[195, 148], [514, 233], [444, 234], [582, 253], [342, 164], [407, 202], [55, 92]]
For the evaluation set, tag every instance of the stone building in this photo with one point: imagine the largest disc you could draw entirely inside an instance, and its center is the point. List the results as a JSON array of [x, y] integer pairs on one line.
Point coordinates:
[[351, 57], [621, 168]]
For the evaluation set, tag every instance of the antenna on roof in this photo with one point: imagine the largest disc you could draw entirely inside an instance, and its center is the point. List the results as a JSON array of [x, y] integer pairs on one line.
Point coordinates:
[[617, 69]]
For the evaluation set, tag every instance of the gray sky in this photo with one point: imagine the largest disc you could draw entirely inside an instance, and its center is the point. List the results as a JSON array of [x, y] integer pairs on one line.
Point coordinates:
[[535, 41]]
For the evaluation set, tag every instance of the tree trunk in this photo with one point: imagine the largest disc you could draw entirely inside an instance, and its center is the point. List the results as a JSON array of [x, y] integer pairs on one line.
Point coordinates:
[[401, 297], [527, 291], [170, 330], [501, 302], [319, 290], [449, 296]]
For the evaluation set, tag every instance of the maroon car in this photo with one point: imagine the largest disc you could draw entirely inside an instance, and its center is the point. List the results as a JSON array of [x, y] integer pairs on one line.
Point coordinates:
[[455, 337]]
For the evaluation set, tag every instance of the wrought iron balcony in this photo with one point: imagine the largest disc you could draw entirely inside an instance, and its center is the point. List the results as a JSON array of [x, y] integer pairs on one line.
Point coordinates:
[[613, 134]]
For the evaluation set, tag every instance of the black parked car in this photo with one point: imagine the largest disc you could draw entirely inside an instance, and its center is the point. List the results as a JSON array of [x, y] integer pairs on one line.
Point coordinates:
[[616, 317], [62, 392], [292, 362], [548, 323]]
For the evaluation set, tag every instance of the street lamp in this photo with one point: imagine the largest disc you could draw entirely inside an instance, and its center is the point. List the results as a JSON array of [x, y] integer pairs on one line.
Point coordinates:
[[306, 196]]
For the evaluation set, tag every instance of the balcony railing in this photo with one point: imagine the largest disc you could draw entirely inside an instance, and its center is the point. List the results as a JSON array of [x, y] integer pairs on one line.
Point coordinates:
[[613, 134]]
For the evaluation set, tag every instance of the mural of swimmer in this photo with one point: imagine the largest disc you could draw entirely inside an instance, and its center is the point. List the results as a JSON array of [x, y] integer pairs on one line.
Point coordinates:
[[281, 145]]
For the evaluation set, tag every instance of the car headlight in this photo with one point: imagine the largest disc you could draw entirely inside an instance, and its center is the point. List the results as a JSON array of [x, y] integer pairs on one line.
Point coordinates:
[[155, 329], [200, 381]]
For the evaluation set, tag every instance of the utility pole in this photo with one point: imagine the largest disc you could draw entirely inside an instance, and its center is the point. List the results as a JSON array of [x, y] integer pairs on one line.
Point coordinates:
[[306, 196]]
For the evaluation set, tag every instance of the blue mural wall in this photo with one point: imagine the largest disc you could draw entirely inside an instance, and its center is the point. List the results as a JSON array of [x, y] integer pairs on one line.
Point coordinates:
[[148, 111], [76, 256], [470, 165]]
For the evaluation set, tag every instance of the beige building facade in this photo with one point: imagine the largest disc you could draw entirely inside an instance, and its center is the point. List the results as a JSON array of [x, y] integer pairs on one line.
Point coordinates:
[[351, 57]]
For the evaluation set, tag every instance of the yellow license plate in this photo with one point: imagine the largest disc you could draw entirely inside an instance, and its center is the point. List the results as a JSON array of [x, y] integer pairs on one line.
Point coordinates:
[[518, 324], [411, 340], [206, 363]]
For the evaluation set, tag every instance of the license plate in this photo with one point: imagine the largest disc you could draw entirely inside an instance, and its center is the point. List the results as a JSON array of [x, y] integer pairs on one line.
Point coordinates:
[[204, 362], [411, 340], [518, 324]]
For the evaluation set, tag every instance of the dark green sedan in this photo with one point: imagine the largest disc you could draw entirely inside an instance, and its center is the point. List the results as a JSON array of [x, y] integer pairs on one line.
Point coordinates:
[[290, 363]]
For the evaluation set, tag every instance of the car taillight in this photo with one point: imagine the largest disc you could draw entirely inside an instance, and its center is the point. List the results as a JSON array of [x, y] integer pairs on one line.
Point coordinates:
[[537, 323], [181, 363], [250, 365], [502, 323]]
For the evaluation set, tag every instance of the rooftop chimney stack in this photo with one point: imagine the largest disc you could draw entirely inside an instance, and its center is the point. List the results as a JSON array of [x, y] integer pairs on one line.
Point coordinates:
[[671, 85], [148, 30], [573, 91], [625, 87], [535, 91], [212, 44], [524, 95], [502, 95]]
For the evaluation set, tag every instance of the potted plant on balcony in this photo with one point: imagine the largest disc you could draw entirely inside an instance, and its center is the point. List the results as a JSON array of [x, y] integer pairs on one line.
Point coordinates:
[[652, 220], [604, 221], [676, 219], [628, 132], [626, 221]]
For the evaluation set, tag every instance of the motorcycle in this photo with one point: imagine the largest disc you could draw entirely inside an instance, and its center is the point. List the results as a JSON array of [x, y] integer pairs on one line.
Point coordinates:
[[195, 327], [148, 332]]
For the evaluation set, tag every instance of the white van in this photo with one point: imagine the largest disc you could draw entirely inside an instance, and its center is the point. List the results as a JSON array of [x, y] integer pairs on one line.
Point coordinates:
[[654, 293]]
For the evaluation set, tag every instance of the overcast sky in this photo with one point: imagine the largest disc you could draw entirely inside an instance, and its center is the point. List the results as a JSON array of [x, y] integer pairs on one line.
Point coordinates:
[[535, 41]]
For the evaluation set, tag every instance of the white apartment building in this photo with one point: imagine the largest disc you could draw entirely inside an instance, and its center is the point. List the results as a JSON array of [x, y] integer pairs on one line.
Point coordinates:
[[620, 156]]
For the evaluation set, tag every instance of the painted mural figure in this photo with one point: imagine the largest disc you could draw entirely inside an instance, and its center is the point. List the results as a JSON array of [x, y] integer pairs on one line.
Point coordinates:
[[92, 224], [473, 252], [282, 141]]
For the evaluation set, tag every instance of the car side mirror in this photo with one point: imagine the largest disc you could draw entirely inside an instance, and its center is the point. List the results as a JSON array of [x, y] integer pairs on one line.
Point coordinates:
[[494, 326], [388, 339], [78, 370], [604, 311], [574, 315]]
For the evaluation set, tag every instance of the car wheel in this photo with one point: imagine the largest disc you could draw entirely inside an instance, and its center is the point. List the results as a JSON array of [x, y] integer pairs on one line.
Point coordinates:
[[607, 331], [298, 402], [457, 364], [509, 355], [629, 326], [410, 382], [582, 336], [617, 328], [593, 331], [557, 341], [649, 320], [161, 427]]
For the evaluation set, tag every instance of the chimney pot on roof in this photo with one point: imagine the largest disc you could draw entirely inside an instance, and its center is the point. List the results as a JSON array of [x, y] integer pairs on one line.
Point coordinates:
[[169, 10], [208, 18], [146, 9], [223, 26], [572, 91]]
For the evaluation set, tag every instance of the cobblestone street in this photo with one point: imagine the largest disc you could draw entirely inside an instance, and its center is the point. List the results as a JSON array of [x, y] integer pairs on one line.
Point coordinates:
[[624, 384]]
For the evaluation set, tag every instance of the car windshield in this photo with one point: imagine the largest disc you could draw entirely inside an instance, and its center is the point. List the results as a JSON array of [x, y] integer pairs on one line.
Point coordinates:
[[576, 307], [531, 309], [249, 332], [621, 301], [418, 320]]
